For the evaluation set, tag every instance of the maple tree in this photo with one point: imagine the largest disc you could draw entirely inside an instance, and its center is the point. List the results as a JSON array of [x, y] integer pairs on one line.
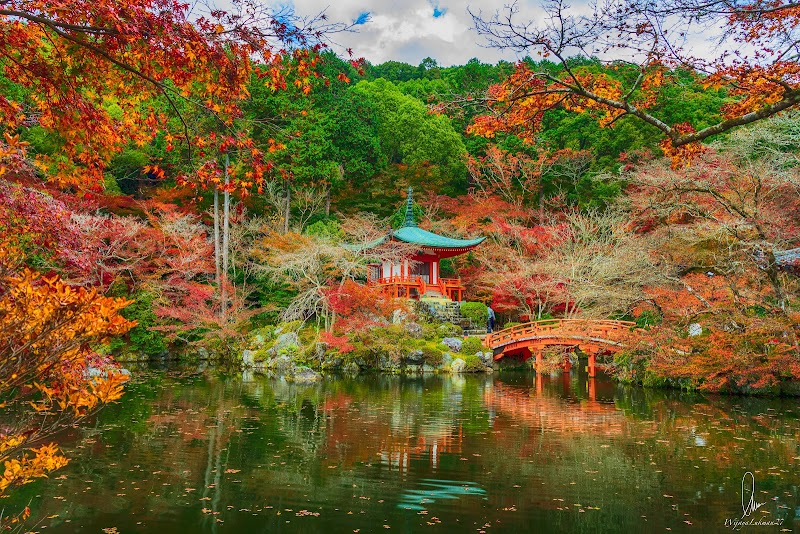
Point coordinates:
[[50, 376], [733, 209], [92, 72], [358, 306], [743, 348], [646, 43], [726, 313]]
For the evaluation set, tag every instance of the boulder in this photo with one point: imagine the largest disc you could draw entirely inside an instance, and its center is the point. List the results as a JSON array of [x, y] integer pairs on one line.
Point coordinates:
[[399, 316], [351, 368], [453, 343], [415, 357], [695, 329], [447, 358], [282, 365], [332, 362], [387, 364], [458, 366], [790, 388], [305, 375], [283, 343], [319, 351], [487, 358], [248, 358], [428, 369], [259, 340], [414, 330]]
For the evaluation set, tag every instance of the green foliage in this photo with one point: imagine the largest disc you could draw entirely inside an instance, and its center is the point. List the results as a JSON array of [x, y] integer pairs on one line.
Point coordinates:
[[477, 312], [41, 141], [429, 332], [472, 345], [757, 311], [648, 318], [446, 268], [473, 364], [126, 168], [292, 326], [329, 229], [433, 354], [399, 216], [140, 339], [449, 330], [410, 134], [111, 186]]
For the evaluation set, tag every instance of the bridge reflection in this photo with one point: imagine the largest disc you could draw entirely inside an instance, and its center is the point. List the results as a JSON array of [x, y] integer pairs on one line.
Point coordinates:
[[549, 412]]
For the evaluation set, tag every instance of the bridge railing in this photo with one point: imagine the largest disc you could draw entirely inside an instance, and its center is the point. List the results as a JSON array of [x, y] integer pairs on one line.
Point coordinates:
[[566, 327]]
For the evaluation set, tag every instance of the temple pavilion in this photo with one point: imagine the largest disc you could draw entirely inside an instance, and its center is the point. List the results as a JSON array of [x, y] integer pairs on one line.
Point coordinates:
[[418, 276]]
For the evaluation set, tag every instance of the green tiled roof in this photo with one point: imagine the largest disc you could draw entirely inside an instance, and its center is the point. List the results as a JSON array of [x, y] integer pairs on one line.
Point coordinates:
[[411, 233], [418, 236]]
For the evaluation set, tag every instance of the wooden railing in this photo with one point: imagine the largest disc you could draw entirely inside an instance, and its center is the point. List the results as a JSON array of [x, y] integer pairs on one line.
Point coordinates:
[[598, 330], [449, 287]]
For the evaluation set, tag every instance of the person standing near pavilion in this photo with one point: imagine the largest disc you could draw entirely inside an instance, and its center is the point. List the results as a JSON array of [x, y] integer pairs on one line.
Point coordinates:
[[490, 320]]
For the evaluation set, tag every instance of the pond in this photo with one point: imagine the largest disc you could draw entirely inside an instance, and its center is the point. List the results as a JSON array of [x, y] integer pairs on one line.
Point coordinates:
[[207, 452]]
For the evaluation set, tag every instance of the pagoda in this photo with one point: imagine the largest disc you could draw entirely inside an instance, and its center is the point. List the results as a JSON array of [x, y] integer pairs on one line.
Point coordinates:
[[418, 277]]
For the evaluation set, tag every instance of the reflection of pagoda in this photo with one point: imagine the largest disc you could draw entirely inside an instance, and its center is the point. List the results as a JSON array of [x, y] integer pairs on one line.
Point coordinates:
[[418, 276], [397, 438]]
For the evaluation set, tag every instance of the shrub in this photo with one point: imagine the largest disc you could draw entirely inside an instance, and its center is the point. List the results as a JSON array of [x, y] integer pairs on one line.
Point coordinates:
[[472, 345], [433, 355], [292, 326], [477, 312], [140, 338], [450, 330], [330, 229], [429, 332], [473, 364], [648, 318]]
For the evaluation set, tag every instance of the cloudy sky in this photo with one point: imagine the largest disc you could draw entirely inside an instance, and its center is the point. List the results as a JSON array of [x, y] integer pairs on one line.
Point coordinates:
[[411, 30]]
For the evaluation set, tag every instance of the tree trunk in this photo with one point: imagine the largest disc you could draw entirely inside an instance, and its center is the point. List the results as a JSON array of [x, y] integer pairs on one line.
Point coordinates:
[[328, 201], [287, 206], [217, 247], [541, 205], [225, 240], [774, 280]]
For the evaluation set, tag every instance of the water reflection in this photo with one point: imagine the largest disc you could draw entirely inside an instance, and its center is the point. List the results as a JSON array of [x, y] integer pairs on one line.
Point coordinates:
[[431, 490], [215, 453]]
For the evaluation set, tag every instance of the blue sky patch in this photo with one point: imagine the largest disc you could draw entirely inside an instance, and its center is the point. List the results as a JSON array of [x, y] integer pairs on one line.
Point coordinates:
[[362, 18]]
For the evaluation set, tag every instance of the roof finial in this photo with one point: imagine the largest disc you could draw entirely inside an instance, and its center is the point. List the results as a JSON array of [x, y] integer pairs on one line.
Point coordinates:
[[410, 209]]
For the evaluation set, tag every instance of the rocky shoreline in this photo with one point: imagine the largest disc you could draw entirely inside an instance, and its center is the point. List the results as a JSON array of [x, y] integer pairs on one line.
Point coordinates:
[[283, 358]]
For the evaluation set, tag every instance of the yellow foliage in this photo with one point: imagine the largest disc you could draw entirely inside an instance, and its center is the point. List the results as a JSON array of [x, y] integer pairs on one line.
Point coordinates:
[[47, 329]]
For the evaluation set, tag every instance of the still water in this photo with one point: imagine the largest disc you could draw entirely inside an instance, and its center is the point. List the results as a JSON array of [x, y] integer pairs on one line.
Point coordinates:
[[207, 452]]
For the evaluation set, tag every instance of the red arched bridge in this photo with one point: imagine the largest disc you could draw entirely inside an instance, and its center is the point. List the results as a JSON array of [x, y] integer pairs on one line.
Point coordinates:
[[592, 337]]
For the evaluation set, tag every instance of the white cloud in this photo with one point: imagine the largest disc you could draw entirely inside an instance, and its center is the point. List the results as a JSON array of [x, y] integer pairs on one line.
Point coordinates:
[[411, 30], [406, 30]]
